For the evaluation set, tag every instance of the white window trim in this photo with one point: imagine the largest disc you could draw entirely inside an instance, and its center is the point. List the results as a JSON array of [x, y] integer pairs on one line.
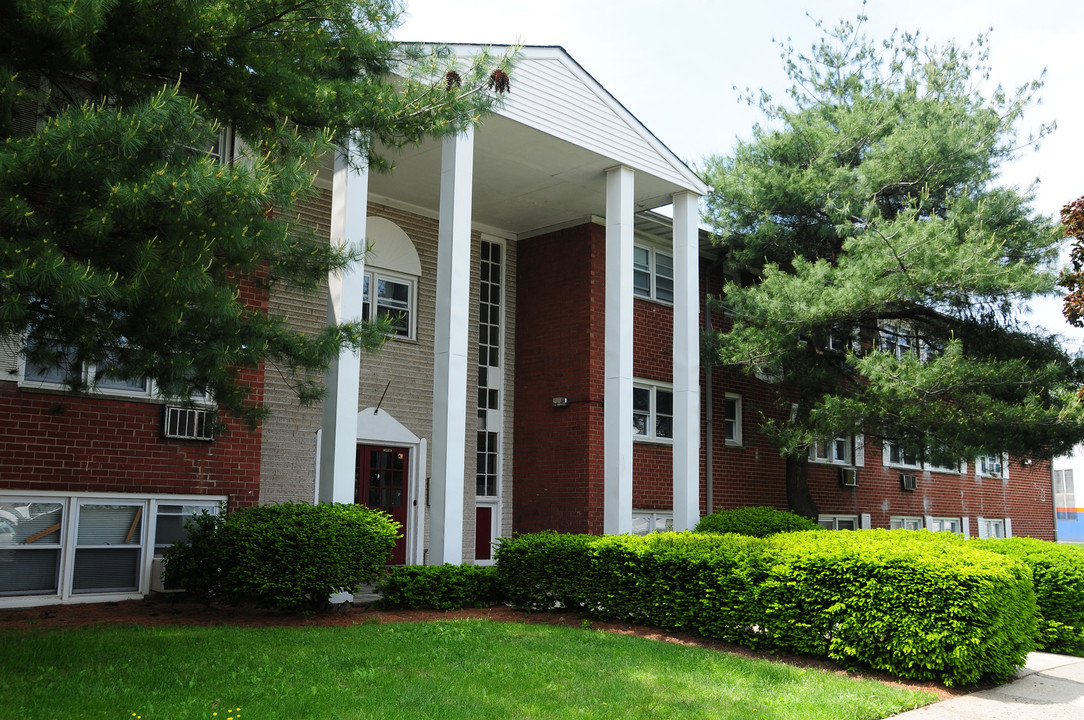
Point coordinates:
[[931, 521], [834, 520], [1003, 475], [86, 375], [902, 521], [654, 387], [70, 502], [886, 458], [985, 524], [652, 270], [373, 275], [736, 441], [846, 462], [654, 518]]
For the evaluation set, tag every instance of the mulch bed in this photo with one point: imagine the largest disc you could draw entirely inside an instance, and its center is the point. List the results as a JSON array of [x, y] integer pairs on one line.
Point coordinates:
[[171, 610]]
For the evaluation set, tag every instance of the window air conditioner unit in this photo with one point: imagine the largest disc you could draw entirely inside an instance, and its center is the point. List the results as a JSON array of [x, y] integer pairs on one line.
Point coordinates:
[[848, 477], [158, 583], [188, 423], [908, 482]]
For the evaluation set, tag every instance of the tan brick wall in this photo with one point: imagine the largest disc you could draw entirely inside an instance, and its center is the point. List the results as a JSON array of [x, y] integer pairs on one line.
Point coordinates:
[[290, 432]]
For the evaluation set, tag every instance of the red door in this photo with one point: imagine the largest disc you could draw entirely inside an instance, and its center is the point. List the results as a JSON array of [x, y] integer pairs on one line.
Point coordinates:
[[381, 485]]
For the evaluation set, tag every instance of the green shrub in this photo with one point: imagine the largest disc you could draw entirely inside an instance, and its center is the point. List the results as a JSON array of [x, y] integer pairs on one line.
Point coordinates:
[[291, 556], [543, 571], [440, 587], [755, 522], [918, 605], [1058, 572]]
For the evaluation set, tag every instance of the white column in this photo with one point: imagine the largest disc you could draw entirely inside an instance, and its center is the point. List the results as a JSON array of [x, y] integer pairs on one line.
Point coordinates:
[[450, 351], [617, 410], [686, 363], [338, 442]]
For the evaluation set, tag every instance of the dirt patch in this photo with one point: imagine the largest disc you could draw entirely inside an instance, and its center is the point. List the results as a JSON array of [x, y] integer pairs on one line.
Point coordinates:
[[173, 610]]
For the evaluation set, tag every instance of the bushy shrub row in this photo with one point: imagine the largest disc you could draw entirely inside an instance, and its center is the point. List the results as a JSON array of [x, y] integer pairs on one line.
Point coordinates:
[[918, 605], [291, 556], [439, 587], [1058, 572], [755, 522]]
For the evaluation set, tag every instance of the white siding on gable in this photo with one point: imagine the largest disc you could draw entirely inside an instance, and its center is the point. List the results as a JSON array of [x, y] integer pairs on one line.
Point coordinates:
[[555, 96]]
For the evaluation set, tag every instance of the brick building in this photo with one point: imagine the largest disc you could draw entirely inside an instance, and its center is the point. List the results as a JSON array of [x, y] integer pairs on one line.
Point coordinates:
[[544, 374]]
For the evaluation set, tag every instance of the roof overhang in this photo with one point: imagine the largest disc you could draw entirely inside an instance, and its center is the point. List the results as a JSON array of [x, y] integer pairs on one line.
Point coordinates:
[[541, 159]]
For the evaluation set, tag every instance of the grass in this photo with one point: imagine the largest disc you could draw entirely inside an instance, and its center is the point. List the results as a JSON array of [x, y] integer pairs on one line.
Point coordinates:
[[473, 669]]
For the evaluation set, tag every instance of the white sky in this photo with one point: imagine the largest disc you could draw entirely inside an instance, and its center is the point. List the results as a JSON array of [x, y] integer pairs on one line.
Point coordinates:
[[673, 64]]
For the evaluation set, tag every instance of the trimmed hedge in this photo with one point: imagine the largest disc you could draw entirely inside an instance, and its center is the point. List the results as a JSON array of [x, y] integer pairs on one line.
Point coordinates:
[[292, 556], [1058, 572], [918, 605], [440, 587], [755, 522]]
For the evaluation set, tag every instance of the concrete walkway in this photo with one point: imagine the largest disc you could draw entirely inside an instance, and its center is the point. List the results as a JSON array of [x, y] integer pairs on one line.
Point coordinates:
[[1050, 687]]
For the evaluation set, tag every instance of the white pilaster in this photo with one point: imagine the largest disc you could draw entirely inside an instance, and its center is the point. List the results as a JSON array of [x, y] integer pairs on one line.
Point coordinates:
[[349, 207], [450, 351], [686, 363], [617, 411]]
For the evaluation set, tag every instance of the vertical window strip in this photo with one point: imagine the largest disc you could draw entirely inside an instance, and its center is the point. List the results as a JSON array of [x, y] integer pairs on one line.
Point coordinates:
[[489, 363]]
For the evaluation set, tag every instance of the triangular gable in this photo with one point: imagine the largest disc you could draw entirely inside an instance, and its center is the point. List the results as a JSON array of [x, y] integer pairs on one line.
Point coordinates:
[[553, 94]]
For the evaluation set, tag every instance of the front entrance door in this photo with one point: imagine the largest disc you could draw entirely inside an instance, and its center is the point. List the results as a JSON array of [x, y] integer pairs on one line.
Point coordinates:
[[382, 485]]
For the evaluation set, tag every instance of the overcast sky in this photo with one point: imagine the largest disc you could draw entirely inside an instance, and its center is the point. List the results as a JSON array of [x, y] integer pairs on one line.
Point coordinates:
[[674, 63]]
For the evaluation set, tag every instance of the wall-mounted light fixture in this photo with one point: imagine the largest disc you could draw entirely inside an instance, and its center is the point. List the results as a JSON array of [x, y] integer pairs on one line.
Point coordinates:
[[560, 402]]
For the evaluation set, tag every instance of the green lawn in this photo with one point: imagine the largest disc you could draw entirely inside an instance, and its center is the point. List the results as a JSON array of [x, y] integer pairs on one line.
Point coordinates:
[[456, 669]]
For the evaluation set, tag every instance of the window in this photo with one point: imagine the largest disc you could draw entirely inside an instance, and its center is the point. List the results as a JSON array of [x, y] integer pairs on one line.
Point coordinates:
[[394, 299], [490, 386], [905, 523], [732, 419], [956, 468], [897, 339], [992, 466], [98, 377], [649, 521], [836, 451], [896, 456], [838, 522], [65, 546], [652, 274], [944, 524], [652, 412], [992, 528], [1064, 495]]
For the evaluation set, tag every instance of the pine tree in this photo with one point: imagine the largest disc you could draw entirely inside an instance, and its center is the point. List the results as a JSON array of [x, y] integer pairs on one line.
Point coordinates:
[[128, 243], [888, 264]]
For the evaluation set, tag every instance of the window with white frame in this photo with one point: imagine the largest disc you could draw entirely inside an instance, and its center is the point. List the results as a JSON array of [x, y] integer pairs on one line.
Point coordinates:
[[905, 523], [652, 274], [652, 412], [97, 378], [732, 419], [897, 338], [836, 451], [955, 468], [992, 528], [944, 524], [1064, 495], [70, 545], [649, 521], [838, 522], [394, 299], [896, 456], [992, 465]]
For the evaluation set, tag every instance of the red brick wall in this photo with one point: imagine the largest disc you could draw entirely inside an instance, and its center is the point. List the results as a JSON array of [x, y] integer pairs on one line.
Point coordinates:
[[72, 443], [560, 353], [54, 441]]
